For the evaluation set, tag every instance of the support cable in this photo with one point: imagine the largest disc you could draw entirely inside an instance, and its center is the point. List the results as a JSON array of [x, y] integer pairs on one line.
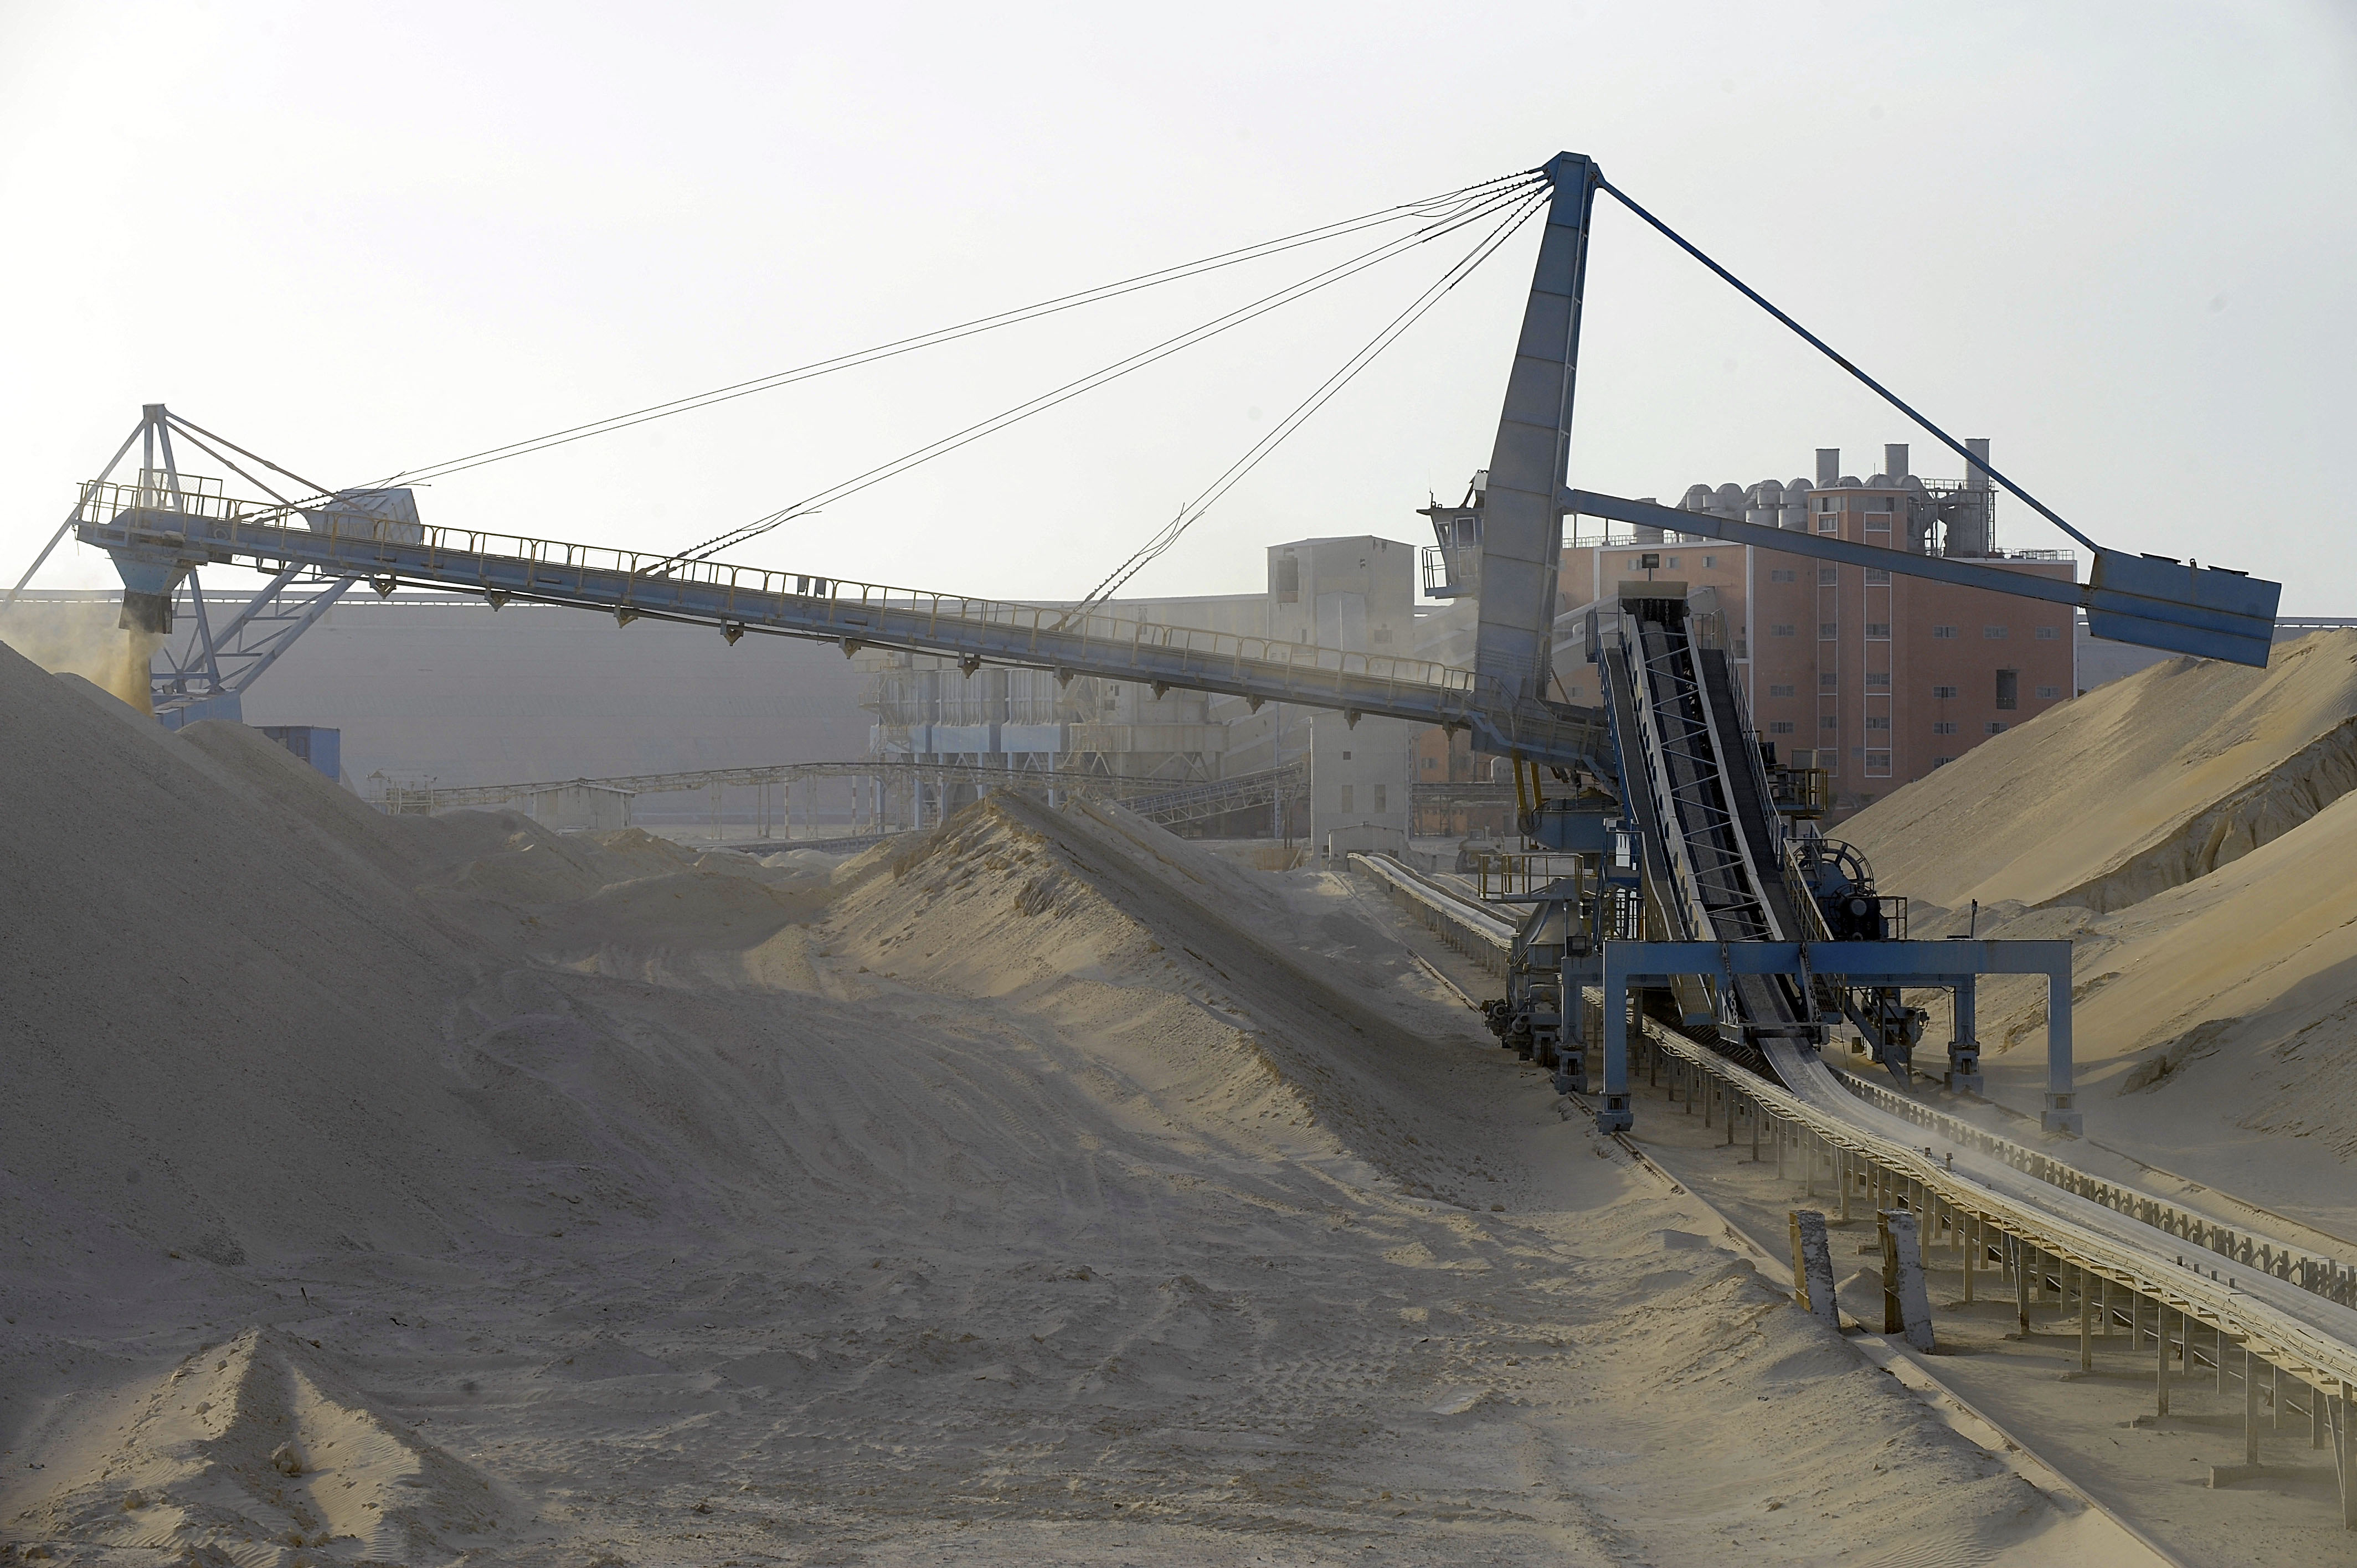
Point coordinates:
[[1819, 344], [1429, 208], [1389, 249], [1234, 473]]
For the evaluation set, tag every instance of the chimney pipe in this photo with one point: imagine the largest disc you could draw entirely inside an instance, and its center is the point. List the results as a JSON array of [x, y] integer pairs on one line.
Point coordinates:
[[1977, 472], [1828, 467], [1894, 460]]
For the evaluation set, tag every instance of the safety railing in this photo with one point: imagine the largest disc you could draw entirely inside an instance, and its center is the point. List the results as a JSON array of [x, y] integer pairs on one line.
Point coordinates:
[[1507, 874], [628, 579]]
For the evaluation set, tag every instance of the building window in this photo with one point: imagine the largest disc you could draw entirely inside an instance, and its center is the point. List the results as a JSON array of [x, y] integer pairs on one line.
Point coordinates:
[[1829, 503], [1992, 633], [1288, 579], [1349, 804], [1828, 575], [1346, 757], [1877, 720], [1876, 577], [1383, 634], [1944, 726], [1780, 631], [1878, 678], [1674, 562], [1877, 762], [1780, 726], [2050, 693], [1996, 727], [1943, 692], [2047, 633], [1827, 681], [1381, 791], [2008, 690], [1828, 628], [1827, 720], [1430, 763], [1879, 631], [1783, 574], [1944, 631], [1781, 692], [1710, 563], [1942, 761], [1829, 524], [1877, 522]]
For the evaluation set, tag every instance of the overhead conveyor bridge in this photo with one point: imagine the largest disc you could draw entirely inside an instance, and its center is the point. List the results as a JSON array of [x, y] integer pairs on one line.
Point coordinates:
[[1096, 641]]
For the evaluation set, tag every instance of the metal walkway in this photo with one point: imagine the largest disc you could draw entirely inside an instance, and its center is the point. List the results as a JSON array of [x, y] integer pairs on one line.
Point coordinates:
[[200, 529]]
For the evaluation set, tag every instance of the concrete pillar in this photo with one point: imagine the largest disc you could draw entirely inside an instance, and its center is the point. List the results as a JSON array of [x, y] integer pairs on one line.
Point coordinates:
[[2062, 1114], [2087, 1325], [2250, 1408], [1615, 1114]]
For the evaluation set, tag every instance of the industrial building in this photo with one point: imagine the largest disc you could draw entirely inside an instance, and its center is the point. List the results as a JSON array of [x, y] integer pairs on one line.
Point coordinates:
[[1874, 678], [1356, 594]]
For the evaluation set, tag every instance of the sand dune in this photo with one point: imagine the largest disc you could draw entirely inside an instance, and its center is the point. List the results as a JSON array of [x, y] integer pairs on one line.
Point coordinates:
[[2191, 828], [2139, 786]]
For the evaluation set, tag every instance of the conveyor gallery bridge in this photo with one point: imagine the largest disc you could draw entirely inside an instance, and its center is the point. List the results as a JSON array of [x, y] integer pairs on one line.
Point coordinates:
[[2274, 1320], [134, 524]]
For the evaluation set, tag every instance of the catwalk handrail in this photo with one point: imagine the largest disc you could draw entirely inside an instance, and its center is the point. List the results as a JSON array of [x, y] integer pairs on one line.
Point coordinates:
[[2280, 1338], [360, 544], [457, 796]]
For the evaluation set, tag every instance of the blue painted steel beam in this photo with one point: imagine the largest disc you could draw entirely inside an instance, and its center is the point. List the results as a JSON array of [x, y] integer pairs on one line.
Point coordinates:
[[2148, 600], [1943, 963]]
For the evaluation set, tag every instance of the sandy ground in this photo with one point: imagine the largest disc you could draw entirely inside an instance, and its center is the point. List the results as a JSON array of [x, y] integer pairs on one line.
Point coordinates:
[[428, 1192]]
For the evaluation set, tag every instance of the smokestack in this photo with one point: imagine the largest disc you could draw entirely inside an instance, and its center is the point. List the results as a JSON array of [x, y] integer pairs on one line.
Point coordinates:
[[1829, 466], [1894, 460], [1977, 472]]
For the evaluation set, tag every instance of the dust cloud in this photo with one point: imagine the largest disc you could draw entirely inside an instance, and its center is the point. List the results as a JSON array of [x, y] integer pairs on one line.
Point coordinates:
[[82, 639]]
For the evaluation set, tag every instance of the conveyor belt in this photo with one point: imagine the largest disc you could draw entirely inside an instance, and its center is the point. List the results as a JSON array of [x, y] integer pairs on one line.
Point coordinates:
[[1690, 772]]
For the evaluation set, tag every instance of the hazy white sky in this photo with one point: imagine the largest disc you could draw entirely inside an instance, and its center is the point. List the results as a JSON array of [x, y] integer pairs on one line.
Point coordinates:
[[2116, 239]]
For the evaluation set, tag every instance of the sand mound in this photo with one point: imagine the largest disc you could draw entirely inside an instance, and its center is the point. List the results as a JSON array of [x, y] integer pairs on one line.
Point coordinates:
[[1125, 934], [223, 1014], [2220, 1008], [2140, 785], [258, 1449]]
